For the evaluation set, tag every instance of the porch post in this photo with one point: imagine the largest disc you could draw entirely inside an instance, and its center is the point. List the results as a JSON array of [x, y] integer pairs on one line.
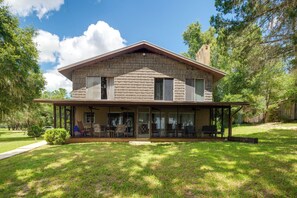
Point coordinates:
[[229, 122], [70, 120], [215, 115], [60, 114], [136, 122], [195, 116], [177, 122], [222, 119], [73, 117], [150, 121], [65, 117], [55, 116], [210, 116]]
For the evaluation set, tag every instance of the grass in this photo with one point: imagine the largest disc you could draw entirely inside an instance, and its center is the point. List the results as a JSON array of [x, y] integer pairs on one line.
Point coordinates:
[[201, 169], [10, 140]]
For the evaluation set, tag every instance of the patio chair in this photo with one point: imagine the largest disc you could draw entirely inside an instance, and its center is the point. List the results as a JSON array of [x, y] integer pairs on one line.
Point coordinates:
[[155, 131], [180, 131], [190, 131], [99, 131], [211, 130], [143, 129], [121, 130], [170, 131], [221, 132], [83, 130]]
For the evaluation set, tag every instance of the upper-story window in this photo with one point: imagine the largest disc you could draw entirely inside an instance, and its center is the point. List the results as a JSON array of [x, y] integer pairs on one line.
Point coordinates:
[[195, 89], [100, 88], [163, 89]]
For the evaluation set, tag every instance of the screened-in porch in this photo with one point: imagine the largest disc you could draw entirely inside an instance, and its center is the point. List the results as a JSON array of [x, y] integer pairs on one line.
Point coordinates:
[[145, 121]]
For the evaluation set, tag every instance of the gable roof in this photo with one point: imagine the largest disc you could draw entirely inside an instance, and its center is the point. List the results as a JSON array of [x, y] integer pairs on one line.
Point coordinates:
[[67, 70]]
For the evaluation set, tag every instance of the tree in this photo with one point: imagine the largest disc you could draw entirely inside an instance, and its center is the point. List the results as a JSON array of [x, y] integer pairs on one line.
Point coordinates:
[[21, 79], [47, 109], [35, 114], [195, 38], [251, 76], [276, 18], [56, 94]]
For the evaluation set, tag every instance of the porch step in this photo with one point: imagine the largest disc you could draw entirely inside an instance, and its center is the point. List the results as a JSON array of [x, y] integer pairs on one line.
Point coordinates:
[[140, 142]]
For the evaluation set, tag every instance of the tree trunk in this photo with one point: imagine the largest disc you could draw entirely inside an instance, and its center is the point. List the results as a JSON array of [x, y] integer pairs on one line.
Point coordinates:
[[267, 101]]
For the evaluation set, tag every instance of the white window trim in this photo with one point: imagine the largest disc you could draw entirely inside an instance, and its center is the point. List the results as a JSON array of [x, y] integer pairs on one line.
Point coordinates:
[[85, 120]]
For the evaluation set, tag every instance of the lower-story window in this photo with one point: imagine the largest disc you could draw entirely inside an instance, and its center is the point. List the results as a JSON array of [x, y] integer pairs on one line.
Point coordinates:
[[89, 117]]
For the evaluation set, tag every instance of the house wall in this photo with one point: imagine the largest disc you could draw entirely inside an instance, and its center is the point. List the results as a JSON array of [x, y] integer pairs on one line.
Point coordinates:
[[202, 119], [134, 76]]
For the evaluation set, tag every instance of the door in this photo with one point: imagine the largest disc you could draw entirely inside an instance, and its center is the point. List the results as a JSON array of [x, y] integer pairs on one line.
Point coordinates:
[[143, 122], [128, 119]]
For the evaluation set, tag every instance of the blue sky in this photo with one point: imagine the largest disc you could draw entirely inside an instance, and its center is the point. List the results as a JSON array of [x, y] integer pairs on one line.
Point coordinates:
[[66, 26]]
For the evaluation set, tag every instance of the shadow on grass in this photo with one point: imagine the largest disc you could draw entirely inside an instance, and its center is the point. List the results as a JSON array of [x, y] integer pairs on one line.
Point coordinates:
[[15, 137], [159, 170]]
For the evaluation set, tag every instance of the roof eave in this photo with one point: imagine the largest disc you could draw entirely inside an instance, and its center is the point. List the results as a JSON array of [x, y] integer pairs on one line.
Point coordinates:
[[135, 103], [67, 70]]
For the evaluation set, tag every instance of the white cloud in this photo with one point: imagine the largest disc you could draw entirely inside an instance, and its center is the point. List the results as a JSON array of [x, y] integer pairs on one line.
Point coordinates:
[[40, 7], [48, 46], [55, 80], [97, 39]]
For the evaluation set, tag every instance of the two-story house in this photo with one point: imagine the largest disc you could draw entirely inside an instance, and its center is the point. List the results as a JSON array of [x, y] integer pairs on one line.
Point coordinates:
[[142, 91]]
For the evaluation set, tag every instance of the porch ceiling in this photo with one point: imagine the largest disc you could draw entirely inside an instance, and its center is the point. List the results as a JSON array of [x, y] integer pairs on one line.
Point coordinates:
[[83, 102]]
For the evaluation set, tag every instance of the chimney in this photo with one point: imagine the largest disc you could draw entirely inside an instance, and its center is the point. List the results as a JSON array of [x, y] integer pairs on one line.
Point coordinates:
[[203, 55]]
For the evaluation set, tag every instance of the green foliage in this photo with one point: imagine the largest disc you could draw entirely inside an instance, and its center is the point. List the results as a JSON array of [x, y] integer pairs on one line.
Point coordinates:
[[21, 79], [195, 38], [56, 136], [34, 131], [47, 109], [34, 114], [252, 75], [276, 19], [56, 94]]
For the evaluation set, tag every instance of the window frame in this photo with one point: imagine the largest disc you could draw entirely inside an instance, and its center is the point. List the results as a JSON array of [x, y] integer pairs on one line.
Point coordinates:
[[86, 114], [194, 90], [101, 88], [163, 98], [91, 95], [203, 97]]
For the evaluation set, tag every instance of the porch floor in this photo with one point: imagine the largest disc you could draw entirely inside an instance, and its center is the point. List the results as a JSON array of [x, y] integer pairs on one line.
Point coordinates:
[[96, 139]]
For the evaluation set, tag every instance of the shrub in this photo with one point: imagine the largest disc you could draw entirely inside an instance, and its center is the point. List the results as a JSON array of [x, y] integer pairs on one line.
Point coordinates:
[[56, 136], [34, 131]]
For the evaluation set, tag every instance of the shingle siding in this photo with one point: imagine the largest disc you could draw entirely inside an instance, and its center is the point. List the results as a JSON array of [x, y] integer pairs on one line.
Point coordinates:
[[134, 76]]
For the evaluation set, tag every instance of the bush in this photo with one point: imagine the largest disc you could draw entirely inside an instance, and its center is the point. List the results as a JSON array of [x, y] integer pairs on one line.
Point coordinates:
[[34, 131], [56, 136]]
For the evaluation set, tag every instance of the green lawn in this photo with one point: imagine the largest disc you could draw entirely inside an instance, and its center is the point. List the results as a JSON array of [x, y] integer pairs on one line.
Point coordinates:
[[201, 169], [10, 140]]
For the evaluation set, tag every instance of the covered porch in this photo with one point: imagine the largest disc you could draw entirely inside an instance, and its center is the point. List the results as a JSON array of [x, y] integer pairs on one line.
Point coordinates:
[[109, 120]]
